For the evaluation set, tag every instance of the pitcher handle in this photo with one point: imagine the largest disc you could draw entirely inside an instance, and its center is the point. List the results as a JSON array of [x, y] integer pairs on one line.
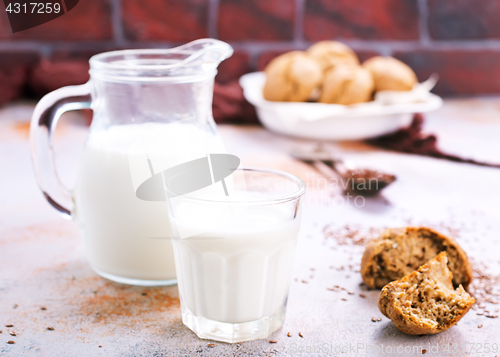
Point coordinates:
[[43, 123]]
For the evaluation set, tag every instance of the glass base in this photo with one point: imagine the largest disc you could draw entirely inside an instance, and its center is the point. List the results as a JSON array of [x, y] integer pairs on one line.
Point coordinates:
[[137, 282], [232, 333]]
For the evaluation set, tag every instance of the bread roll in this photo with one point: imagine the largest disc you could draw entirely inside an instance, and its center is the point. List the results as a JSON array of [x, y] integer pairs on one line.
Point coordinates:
[[292, 77], [390, 74], [346, 84], [332, 53]]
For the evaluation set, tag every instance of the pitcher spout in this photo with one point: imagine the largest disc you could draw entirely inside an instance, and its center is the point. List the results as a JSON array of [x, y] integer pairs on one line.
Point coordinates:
[[207, 52]]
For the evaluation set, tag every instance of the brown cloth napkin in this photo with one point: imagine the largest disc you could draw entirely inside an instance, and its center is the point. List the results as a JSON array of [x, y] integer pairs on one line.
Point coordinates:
[[413, 140], [230, 106]]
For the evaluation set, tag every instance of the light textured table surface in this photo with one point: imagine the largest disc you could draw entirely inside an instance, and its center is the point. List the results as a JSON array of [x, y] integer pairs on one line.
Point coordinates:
[[42, 263]]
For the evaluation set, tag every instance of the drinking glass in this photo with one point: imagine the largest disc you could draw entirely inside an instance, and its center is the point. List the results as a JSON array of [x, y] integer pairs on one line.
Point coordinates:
[[234, 254]]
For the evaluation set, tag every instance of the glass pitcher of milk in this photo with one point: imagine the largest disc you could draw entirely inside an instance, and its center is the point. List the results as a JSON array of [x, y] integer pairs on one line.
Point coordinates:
[[152, 110]]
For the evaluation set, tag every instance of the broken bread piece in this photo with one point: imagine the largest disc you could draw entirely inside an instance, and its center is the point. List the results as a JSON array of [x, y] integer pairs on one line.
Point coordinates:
[[398, 252], [424, 302]]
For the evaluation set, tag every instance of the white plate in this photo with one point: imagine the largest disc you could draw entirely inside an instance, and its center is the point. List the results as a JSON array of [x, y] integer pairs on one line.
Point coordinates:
[[331, 121]]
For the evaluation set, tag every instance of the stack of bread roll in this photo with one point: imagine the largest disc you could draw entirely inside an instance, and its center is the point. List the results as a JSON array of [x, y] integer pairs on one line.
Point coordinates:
[[330, 72]]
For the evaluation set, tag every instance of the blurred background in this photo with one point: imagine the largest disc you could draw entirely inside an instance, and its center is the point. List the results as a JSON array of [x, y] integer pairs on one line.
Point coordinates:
[[458, 39]]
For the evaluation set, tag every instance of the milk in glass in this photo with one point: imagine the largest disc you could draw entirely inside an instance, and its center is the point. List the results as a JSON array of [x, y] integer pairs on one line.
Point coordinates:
[[240, 270]]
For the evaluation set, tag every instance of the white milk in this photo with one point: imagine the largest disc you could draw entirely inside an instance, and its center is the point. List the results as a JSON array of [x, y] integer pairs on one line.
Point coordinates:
[[244, 273], [124, 236]]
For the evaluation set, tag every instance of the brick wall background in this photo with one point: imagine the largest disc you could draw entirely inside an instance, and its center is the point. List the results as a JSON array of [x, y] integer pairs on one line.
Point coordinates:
[[458, 39]]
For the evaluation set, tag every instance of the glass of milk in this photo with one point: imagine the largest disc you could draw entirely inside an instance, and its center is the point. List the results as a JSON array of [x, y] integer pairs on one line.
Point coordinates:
[[234, 254], [152, 110]]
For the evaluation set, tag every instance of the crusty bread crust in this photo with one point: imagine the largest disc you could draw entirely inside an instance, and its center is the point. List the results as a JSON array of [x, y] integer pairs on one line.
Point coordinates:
[[424, 302], [399, 251]]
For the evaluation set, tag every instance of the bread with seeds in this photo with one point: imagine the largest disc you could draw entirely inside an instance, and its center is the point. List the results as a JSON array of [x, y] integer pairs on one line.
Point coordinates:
[[398, 252], [424, 302]]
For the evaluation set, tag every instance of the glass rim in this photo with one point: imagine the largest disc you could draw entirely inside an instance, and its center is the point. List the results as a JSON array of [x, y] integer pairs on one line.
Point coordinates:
[[114, 71], [299, 192], [98, 61], [162, 64]]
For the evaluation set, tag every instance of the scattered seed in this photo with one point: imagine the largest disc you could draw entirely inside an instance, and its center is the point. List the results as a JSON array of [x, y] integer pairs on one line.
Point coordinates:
[[50, 328], [350, 293], [43, 308], [9, 325], [15, 306], [272, 341], [492, 316], [376, 319], [211, 345], [362, 296], [289, 334], [312, 269], [301, 335], [10, 342], [144, 294], [479, 313], [479, 326], [12, 333], [304, 281], [343, 299], [100, 346]]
